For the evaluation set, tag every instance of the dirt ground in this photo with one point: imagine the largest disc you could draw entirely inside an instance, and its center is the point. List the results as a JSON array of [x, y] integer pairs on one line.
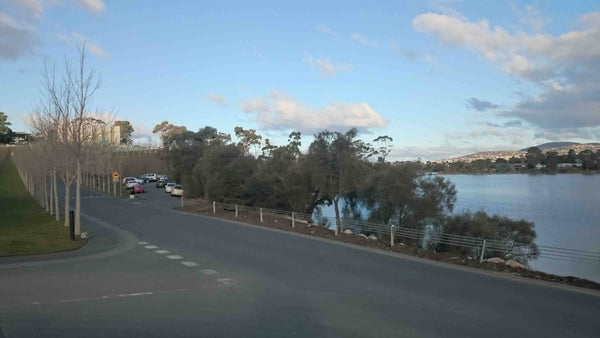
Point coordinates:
[[285, 223]]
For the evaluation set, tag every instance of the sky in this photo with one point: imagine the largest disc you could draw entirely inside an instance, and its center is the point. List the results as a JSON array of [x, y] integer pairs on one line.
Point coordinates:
[[442, 78]]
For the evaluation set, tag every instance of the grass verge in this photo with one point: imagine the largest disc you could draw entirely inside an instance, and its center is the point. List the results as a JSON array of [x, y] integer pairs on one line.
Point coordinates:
[[25, 227]]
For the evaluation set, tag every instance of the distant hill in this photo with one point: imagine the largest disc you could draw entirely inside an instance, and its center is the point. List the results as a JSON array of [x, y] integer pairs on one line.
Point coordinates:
[[545, 146], [562, 148]]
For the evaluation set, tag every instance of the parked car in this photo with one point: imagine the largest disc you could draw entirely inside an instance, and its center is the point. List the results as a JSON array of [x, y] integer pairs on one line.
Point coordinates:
[[138, 189], [161, 183], [169, 187], [177, 190], [152, 177], [139, 180], [130, 182], [125, 179], [163, 177]]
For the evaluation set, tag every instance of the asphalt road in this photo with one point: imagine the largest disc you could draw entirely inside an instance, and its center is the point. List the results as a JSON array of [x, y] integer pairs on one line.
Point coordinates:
[[152, 271]]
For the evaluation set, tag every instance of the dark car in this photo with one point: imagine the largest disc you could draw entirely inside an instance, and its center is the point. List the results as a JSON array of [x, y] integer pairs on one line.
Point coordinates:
[[161, 183]]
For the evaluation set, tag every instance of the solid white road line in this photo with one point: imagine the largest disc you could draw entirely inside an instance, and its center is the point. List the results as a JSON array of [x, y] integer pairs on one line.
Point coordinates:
[[190, 264], [174, 257]]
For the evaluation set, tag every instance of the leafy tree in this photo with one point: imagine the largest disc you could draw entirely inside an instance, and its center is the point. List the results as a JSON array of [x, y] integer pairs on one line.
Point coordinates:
[[571, 157], [336, 161], [126, 132], [588, 159], [248, 139], [166, 130], [6, 134], [533, 156], [551, 160]]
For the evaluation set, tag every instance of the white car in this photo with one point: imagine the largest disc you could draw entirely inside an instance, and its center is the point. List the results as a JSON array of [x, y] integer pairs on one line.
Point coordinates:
[[177, 190], [169, 187], [130, 182], [152, 177], [125, 179]]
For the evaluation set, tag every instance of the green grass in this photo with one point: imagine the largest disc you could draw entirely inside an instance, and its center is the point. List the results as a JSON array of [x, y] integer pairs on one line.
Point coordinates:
[[25, 227]]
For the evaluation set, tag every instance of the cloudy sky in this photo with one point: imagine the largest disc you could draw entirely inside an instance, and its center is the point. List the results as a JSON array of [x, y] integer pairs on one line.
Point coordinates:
[[442, 78]]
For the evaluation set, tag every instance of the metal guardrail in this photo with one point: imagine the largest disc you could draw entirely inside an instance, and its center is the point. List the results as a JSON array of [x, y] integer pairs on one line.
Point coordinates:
[[479, 247]]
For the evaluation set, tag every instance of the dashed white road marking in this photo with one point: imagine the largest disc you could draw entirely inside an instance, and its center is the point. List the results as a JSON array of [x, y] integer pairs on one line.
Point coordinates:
[[151, 247], [162, 251], [226, 281], [209, 272], [143, 243], [174, 257], [190, 264], [135, 294]]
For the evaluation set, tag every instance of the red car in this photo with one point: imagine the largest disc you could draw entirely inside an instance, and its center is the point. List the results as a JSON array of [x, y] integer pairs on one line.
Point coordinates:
[[138, 189]]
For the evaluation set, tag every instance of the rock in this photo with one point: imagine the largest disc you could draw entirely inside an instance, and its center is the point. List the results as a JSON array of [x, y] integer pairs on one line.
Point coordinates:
[[363, 235], [513, 264], [454, 258], [348, 231], [402, 244], [496, 260], [373, 237]]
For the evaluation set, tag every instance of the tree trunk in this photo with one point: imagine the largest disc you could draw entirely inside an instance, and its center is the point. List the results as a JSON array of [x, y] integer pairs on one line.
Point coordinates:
[[78, 200], [338, 222], [50, 195], [57, 214], [67, 203]]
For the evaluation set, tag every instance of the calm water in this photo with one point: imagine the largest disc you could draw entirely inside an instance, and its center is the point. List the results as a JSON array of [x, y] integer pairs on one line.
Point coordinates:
[[564, 208]]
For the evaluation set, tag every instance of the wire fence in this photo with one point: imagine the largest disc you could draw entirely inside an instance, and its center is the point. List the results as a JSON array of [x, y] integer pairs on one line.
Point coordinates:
[[429, 238]]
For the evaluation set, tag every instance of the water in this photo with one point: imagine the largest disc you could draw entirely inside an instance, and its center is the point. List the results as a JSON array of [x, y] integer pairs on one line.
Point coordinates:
[[564, 208]]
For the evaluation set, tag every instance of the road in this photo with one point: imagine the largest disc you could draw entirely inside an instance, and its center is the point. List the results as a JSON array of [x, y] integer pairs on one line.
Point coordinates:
[[152, 271]]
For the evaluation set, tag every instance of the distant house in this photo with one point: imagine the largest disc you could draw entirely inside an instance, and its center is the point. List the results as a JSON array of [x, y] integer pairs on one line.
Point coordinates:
[[518, 166], [21, 138], [540, 166]]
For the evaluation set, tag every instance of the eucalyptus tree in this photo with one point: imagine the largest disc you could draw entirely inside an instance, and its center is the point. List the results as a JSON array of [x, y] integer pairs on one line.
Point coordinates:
[[338, 161]]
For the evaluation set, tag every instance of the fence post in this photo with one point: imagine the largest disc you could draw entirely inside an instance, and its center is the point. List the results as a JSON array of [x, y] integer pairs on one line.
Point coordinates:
[[236, 211], [392, 236], [182, 201], [293, 220], [482, 252], [261, 217], [214, 207]]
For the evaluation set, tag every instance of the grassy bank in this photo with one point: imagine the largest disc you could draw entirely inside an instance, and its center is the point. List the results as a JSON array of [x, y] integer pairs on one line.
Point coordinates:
[[25, 227]]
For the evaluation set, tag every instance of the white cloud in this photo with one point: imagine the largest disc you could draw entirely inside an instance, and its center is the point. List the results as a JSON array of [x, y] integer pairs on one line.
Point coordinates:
[[362, 40], [34, 8], [324, 29], [565, 67], [217, 98], [281, 112], [531, 17], [77, 39], [16, 39], [92, 6], [326, 68]]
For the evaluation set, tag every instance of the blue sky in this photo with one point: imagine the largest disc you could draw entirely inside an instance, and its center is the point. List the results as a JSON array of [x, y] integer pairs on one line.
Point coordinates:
[[442, 78]]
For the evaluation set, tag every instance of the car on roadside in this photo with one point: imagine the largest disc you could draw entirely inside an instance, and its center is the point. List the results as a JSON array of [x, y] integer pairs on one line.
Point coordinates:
[[125, 179], [152, 177], [139, 180], [138, 189], [161, 183], [169, 187], [177, 190], [130, 182]]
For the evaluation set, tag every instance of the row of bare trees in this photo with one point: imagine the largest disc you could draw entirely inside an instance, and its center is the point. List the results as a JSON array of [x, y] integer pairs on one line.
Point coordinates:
[[66, 130]]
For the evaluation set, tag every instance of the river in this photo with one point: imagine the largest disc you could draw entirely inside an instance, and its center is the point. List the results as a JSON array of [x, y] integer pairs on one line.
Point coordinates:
[[564, 208]]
